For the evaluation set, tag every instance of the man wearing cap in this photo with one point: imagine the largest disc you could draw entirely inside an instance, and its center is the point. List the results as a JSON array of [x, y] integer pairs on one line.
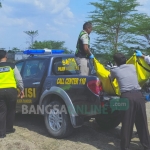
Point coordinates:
[[83, 52], [10, 78]]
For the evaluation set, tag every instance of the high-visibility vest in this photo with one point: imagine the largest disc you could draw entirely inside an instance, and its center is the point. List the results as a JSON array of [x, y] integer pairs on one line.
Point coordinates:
[[7, 79], [142, 69], [80, 50]]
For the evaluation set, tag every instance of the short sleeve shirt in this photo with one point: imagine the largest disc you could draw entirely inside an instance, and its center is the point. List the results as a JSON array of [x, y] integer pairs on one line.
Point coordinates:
[[85, 38], [126, 77], [147, 59]]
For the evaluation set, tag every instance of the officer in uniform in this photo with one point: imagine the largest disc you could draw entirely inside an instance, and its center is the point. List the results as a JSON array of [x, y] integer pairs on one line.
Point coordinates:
[[83, 52], [9, 79], [136, 113]]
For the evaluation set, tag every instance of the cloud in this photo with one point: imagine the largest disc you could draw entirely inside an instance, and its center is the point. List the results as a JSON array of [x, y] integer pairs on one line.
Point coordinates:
[[7, 20], [25, 11], [6, 9], [52, 18], [51, 6], [14, 21], [66, 17], [58, 33], [144, 8], [57, 11], [143, 1]]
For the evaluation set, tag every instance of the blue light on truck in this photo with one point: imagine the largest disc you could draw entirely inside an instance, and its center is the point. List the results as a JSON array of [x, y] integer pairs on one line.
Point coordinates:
[[43, 51]]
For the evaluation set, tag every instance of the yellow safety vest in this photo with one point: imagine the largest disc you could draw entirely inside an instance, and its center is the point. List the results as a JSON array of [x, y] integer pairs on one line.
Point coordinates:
[[7, 79], [142, 69]]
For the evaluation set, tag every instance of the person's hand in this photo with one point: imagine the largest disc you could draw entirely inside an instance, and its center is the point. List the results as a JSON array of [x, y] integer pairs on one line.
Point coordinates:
[[21, 94], [138, 53], [91, 56]]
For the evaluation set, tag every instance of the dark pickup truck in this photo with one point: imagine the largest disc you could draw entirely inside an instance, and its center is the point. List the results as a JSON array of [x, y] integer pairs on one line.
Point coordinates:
[[54, 88]]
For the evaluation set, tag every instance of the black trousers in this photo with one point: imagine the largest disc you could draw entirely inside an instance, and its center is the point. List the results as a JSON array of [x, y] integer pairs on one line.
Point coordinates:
[[135, 114], [8, 98]]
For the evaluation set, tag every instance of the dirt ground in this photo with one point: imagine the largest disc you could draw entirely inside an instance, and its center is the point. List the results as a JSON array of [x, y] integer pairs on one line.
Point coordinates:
[[31, 134]]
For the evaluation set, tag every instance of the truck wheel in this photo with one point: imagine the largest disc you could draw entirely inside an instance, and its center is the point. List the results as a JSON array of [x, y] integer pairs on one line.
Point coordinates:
[[108, 122], [58, 123]]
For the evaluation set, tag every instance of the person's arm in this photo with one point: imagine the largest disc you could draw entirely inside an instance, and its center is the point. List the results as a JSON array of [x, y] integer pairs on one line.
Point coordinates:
[[86, 49], [19, 81], [112, 75], [146, 58], [85, 41]]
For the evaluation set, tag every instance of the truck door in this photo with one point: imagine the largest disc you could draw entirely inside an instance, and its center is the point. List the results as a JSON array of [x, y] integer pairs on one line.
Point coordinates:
[[66, 76], [32, 75]]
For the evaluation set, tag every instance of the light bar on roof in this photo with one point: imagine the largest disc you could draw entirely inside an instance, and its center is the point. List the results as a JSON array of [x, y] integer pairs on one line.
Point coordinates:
[[43, 51]]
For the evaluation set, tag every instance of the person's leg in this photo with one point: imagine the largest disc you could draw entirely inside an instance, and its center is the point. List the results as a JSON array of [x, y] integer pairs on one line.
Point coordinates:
[[3, 110], [127, 122], [141, 122], [83, 65], [11, 108]]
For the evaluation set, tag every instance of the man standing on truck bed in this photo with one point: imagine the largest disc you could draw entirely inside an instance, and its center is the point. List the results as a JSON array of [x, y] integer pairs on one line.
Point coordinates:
[[136, 113], [83, 52]]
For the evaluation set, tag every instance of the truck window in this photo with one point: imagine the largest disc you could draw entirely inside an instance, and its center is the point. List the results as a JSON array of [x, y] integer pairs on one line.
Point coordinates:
[[19, 65], [34, 68], [65, 66]]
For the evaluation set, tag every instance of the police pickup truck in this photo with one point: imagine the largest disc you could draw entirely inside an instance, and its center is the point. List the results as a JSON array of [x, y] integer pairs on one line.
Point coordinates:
[[54, 88]]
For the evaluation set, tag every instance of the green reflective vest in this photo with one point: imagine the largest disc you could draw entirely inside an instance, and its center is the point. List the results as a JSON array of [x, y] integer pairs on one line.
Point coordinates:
[[7, 79], [80, 50]]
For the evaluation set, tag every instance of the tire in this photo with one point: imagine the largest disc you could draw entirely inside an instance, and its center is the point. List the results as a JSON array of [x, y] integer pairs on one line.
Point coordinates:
[[58, 128], [108, 122]]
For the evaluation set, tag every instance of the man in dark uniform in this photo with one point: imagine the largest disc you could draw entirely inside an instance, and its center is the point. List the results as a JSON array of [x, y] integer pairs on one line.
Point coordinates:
[[9, 79], [83, 52], [130, 89]]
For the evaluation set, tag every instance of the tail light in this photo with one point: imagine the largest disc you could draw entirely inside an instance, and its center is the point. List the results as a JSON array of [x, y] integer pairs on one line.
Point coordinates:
[[102, 104], [95, 86]]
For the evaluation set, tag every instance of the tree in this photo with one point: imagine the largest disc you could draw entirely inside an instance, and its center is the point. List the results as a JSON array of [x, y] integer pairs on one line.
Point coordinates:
[[50, 45], [14, 50], [141, 27], [0, 5], [32, 35], [112, 22]]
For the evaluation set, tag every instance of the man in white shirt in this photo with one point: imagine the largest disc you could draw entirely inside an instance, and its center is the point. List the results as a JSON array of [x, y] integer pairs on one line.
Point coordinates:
[[83, 52]]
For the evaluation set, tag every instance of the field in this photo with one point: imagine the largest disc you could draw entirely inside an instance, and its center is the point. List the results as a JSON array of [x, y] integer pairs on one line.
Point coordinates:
[[31, 134]]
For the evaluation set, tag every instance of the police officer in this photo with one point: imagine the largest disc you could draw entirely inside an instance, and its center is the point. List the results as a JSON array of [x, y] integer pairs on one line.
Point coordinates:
[[136, 113], [83, 52], [9, 79]]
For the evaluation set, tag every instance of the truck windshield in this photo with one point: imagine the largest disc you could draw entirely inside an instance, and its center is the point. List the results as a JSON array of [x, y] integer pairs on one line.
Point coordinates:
[[65, 66]]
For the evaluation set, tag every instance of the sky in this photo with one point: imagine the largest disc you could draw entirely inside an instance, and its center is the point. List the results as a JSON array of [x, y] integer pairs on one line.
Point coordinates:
[[58, 20]]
